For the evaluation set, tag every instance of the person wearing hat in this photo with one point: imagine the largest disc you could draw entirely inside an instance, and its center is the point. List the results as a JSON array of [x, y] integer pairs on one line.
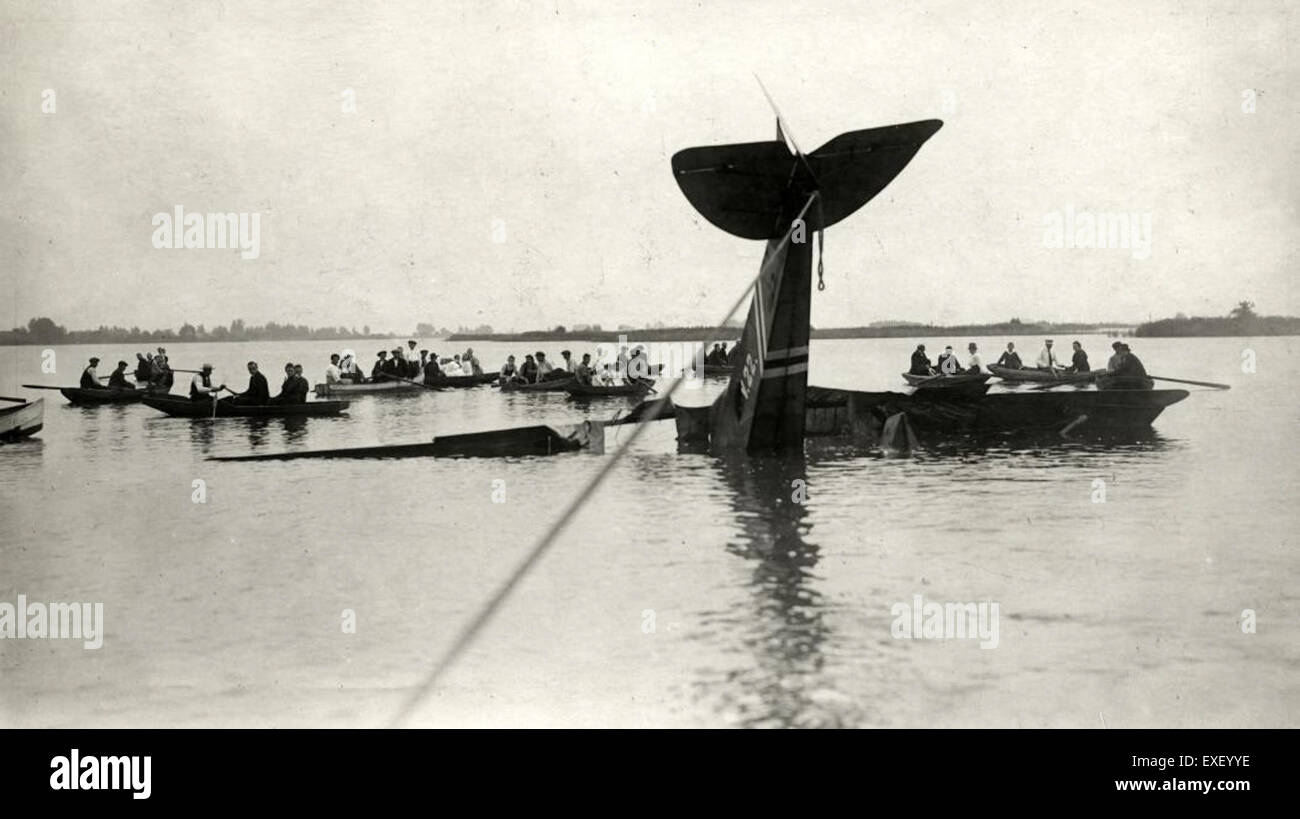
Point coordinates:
[[396, 364], [201, 386], [90, 378], [1048, 359], [117, 379], [377, 371], [432, 372], [411, 360]]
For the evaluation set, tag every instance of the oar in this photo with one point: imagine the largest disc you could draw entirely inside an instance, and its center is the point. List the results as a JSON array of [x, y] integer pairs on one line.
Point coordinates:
[[1195, 383], [43, 387], [15, 400]]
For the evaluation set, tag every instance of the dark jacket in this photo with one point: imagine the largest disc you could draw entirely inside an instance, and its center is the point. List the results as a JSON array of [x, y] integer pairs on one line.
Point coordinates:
[[1010, 359], [1080, 364], [1130, 365], [920, 364], [117, 380], [432, 372], [258, 392], [88, 382]]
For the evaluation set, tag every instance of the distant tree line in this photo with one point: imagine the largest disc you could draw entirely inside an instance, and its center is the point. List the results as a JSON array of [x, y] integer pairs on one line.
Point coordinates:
[[1014, 327], [45, 331], [1242, 320], [584, 332]]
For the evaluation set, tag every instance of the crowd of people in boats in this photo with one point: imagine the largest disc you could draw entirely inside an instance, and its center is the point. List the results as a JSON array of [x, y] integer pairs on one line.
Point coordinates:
[[424, 366], [153, 372], [1122, 363]]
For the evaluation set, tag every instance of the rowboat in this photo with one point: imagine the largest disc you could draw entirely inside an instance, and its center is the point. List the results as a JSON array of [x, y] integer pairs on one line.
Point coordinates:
[[548, 439], [593, 391], [944, 381], [1028, 375], [342, 388], [716, 370], [86, 398], [1125, 382], [833, 412], [22, 420], [180, 407], [553, 385]]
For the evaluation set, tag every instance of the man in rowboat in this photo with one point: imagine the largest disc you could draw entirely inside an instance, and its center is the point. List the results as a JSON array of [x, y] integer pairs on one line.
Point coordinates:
[[1011, 358], [432, 372], [377, 372], [411, 360], [1116, 357], [143, 369], [117, 379], [258, 392], [947, 363], [90, 378], [975, 361], [1047, 359], [395, 365], [201, 386], [920, 362], [162, 378], [509, 373], [583, 372], [528, 370], [1080, 362], [333, 374]]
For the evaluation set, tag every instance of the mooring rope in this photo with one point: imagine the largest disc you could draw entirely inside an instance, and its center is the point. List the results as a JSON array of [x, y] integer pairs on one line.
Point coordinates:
[[493, 604]]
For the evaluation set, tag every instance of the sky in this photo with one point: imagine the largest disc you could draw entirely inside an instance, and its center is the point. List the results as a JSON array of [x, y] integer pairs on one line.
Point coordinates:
[[507, 163]]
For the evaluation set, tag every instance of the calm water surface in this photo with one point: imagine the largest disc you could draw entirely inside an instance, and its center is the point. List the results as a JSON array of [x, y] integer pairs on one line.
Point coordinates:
[[689, 591]]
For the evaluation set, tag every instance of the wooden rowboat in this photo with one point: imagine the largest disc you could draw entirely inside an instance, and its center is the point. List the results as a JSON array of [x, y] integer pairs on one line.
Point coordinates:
[[90, 398], [553, 385], [343, 388], [1125, 382], [593, 391], [964, 384], [1029, 376], [180, 407], [21, 421]]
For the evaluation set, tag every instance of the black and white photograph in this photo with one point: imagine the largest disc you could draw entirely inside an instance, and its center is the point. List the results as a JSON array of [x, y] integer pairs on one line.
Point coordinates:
[[717, 364]]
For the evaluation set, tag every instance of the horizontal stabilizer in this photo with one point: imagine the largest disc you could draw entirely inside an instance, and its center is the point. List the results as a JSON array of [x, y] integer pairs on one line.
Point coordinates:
[[743, 188]]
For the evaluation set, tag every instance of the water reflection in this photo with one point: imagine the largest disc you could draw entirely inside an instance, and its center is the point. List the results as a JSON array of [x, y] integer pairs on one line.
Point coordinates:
[[783, 629]]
